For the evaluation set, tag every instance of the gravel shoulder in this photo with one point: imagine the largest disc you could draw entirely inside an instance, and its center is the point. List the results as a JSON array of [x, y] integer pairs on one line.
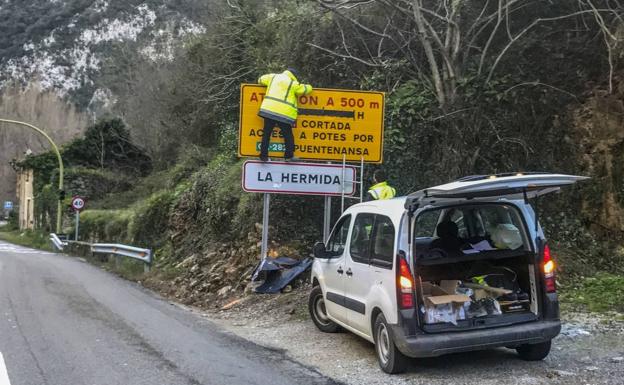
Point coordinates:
[[589, 350]]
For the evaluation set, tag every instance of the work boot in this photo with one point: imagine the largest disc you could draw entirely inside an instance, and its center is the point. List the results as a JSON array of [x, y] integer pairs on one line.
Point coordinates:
[[511, 297]]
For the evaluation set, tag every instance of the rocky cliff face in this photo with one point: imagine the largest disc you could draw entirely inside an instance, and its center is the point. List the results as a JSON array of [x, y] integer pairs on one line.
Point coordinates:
[[599, 130], [52, 54], [63, 44], [44, 109]]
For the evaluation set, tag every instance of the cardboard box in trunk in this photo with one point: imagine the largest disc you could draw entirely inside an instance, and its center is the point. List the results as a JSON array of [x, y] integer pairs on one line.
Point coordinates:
[[442, 304]]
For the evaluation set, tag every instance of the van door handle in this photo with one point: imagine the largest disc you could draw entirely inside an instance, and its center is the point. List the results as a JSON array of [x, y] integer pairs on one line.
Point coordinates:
[[349, 272], [340, 271]]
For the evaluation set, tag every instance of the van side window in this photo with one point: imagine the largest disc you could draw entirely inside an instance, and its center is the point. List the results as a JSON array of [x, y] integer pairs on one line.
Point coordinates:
[[359, 247], [383, 242], [457, 216], [338, 239], [470, 229], [426, 224]]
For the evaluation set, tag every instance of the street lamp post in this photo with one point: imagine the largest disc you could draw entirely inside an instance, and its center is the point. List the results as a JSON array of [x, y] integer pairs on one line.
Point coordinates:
[[59, 207]]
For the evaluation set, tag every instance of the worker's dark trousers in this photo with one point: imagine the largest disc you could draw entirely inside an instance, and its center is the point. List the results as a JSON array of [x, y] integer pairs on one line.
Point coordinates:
[[286, 129]]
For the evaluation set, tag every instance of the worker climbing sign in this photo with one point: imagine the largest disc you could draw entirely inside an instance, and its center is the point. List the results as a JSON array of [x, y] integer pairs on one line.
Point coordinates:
[[331, 124]]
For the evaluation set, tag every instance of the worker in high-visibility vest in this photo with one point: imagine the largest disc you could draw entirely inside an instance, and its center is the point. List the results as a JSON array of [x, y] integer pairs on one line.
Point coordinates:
[[381, 189], [279, 108]]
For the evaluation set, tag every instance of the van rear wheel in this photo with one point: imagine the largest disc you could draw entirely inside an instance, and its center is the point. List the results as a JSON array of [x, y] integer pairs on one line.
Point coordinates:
[[391, 360], [534, 352], [318, 312]]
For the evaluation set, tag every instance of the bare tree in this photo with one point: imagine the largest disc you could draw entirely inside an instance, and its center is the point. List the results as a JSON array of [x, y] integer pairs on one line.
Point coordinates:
[[450, 33], [610, 22]]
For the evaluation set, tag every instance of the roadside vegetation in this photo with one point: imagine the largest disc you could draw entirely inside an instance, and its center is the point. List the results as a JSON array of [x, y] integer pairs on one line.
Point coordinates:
[[523, 87], [603, 292], [10, 232], [30, 238]]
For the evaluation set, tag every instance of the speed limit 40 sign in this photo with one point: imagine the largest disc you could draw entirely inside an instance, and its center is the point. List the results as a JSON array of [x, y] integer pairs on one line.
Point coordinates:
[[78, 203]]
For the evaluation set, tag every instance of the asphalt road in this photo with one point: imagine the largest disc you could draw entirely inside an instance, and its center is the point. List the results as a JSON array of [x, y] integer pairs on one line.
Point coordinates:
[[66, 322]]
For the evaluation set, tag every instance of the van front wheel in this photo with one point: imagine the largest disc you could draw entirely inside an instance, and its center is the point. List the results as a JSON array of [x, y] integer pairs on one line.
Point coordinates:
[[318, 313], [534, 352], [391, 360]]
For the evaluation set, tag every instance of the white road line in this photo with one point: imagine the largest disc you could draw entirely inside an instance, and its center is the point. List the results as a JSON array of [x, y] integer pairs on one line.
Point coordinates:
[[4, 376]]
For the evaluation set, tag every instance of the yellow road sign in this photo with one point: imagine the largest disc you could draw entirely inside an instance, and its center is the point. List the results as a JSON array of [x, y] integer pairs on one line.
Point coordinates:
[[331, 124]]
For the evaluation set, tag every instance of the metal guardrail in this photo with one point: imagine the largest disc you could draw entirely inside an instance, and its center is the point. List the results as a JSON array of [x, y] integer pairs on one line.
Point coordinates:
[[144, 255], [57, 242]]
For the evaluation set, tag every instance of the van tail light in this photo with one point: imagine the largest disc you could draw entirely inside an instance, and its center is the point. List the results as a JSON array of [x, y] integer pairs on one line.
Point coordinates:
[[549, 271], [405, 285]]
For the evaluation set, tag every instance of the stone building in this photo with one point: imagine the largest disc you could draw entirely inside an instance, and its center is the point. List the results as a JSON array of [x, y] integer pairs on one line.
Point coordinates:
[[26, 199]]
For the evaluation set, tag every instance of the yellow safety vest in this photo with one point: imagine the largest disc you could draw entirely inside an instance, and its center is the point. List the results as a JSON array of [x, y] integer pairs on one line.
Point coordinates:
[[280, 100], [382, 191]]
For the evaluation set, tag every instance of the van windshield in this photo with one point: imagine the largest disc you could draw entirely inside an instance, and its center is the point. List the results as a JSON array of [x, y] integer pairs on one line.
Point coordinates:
[[469, 229]]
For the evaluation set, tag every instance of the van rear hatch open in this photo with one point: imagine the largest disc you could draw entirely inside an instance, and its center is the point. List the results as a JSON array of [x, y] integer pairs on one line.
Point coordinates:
[[476, 261], [508, 186]]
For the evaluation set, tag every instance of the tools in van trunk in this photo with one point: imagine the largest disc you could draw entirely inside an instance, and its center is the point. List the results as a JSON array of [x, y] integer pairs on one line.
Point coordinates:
[[493, 292], [453, 300], [506, 300]]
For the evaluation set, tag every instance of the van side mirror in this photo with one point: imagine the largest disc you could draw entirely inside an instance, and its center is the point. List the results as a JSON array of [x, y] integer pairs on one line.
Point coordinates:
[[320, 251]]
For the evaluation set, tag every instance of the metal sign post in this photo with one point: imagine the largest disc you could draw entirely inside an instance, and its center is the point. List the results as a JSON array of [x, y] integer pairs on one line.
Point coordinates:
[[353, 182], [327, 219], [265, 226], [297, 179], [78, 204], [77, 224]]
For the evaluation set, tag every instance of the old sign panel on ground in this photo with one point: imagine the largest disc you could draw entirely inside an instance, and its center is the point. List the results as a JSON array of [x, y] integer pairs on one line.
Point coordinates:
[[331, 123], [297, 178]]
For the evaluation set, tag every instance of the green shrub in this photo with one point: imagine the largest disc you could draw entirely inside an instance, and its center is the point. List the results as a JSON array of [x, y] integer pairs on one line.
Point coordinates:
[[29, 238], [94, 184], [214, 209], [105, 225], [150, 222], [13, 221], [142, 189], [108, 145], [604, 292]]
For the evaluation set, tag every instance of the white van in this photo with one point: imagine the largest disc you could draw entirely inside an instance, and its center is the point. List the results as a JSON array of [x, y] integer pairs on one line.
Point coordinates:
[[453, 268]]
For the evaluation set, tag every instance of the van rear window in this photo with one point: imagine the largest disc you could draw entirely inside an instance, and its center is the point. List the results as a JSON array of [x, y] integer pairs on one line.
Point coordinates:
[[471, 229]]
